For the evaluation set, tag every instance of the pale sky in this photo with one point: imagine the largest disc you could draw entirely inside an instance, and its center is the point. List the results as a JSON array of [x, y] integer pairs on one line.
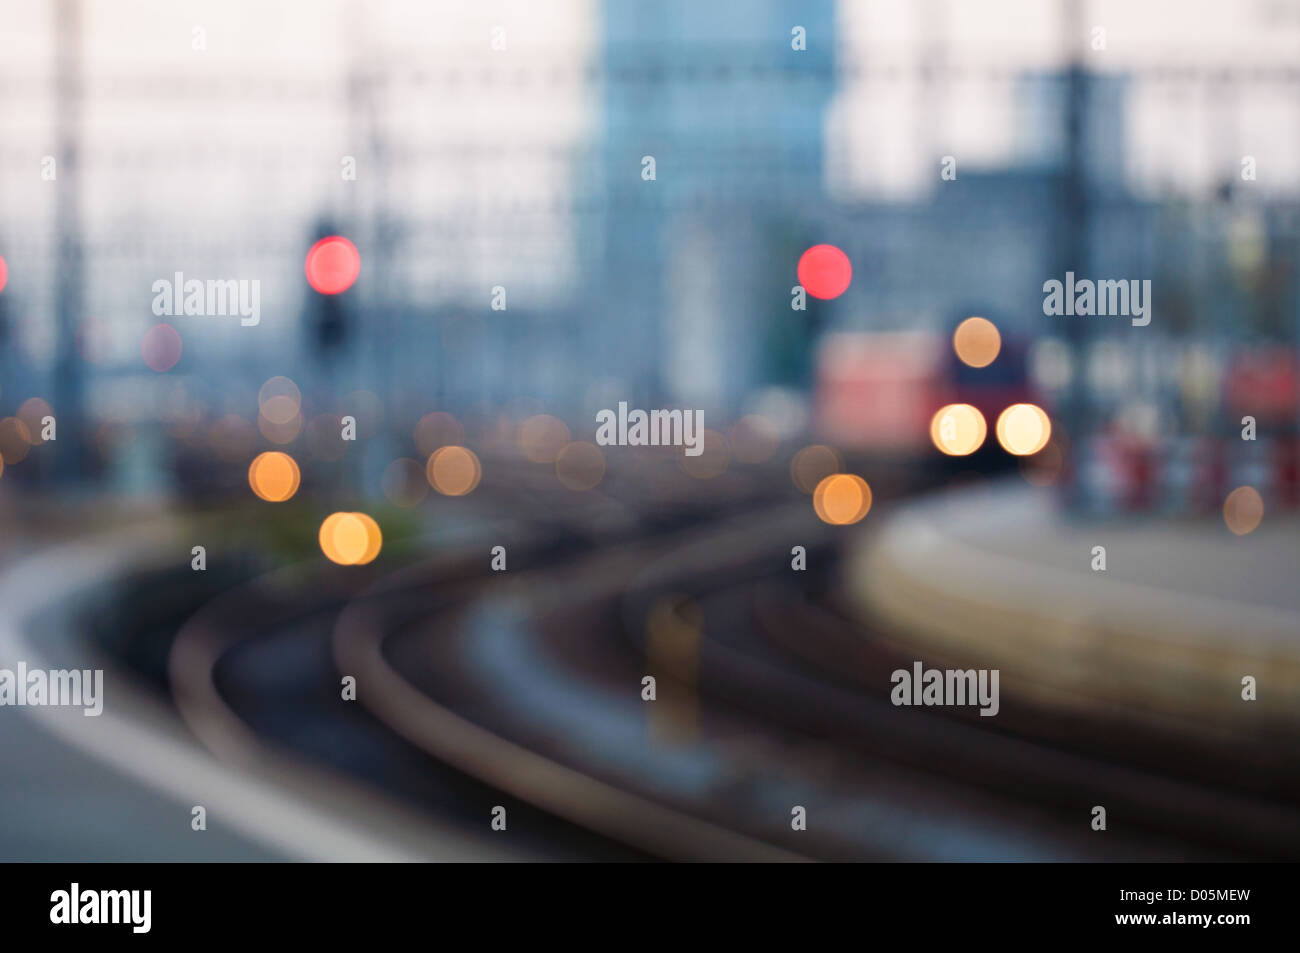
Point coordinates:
[[233, 147], [1182, 135]]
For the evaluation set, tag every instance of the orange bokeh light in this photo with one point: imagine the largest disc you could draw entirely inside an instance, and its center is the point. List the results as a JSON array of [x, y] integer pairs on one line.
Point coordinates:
[[976, 342], [958, 429], [274, 476], [1243, 510], [350, 539], [454, 471], [580, 465], [842, 499], [1023, 429]]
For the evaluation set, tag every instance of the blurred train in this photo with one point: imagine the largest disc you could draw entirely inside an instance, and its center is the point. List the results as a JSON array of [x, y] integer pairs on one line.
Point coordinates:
[[876, 392]]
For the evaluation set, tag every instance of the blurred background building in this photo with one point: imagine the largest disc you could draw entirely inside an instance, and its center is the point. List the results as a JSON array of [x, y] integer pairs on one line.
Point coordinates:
[[562, 206], [1084, 137]]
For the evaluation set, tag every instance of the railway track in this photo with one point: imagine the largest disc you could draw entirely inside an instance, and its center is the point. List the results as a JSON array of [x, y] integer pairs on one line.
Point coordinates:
[[250, 674], [523, 690]]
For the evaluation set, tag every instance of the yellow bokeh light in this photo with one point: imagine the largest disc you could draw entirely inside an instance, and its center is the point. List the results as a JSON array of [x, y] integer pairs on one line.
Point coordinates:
[[274, 476], [541, 437], [32, 413], [1023, 429], [1243, 510], [438, 429], [811, 465], [958, 429], [453, 471], [580, 465], [326, 538], [977, 342], [275, 429], [842, 499], [15, 440], [374, 538], [350, 539], [279, 400]]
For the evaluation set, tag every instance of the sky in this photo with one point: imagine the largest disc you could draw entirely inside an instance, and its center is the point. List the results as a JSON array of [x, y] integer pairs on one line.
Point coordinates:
[[214, 130]]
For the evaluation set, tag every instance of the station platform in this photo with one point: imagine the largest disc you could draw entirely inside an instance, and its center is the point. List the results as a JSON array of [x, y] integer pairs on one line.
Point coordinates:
[[999, 576]]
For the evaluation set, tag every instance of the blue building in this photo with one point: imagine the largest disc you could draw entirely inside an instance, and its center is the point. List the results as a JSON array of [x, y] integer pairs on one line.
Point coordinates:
[[690, 270]]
